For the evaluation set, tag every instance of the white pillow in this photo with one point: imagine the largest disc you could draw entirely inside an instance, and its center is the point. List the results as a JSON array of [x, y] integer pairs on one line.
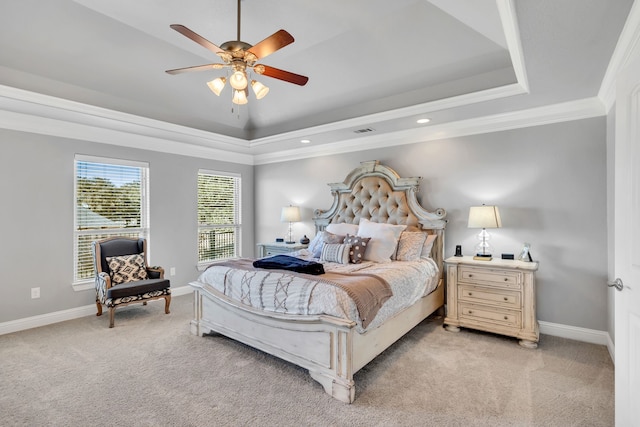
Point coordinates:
[[315, 247], [410, 245], [384, 239], [342, 229], [335, 252], [428, 244]]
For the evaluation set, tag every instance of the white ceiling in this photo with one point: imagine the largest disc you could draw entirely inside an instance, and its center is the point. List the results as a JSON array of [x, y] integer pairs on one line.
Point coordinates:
[[372, 64]]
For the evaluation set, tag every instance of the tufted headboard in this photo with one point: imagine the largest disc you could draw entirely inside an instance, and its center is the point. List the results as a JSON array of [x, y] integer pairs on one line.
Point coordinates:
[[376, 192]]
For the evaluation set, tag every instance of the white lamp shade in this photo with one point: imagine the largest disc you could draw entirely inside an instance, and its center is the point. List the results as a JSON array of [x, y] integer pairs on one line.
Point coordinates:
[[259, 89], [290, 214], [484, 217], [216, 85], [238, 80], [239, 97]]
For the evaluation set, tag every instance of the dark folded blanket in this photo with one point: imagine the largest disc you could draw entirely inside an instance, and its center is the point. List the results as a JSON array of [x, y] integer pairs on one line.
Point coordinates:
[[286, 262]]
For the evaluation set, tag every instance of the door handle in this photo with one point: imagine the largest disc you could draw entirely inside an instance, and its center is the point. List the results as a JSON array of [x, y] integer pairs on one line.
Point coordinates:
[[616, 284]]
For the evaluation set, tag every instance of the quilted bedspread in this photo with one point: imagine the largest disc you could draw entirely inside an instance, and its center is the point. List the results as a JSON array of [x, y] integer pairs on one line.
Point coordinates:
[[291, 293]]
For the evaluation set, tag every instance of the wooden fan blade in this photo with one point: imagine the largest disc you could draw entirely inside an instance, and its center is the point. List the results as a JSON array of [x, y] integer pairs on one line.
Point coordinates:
[[274, 42], [284, 75], [194, 68], [196, 38]]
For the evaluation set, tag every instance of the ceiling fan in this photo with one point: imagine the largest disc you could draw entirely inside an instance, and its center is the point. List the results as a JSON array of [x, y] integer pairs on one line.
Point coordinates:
[[239, 57]]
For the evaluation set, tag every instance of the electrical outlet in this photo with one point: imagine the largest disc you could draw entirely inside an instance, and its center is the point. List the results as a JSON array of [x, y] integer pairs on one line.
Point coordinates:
[[35, 293], [172, 271]]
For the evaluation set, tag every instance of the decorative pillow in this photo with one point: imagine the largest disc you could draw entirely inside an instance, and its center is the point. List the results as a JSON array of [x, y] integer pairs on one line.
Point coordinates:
[[410, 245], [332, 252], [328, 237], [127, 268], [384, 239], [315, 247], [428, 245], [342, 229], [358, 246]]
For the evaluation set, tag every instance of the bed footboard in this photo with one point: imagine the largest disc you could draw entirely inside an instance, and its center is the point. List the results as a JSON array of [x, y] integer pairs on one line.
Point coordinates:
[[321, 344], [328, 347]]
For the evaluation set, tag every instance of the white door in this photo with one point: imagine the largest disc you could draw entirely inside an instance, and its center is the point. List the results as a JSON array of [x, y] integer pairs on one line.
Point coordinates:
[[627, 244]]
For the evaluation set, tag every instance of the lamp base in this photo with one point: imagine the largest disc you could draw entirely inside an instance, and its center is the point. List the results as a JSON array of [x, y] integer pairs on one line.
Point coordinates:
[[482, 257]]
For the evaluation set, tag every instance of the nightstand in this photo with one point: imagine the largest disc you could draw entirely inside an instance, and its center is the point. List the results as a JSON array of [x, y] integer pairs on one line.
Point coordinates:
[[496, 296], [276, 248]]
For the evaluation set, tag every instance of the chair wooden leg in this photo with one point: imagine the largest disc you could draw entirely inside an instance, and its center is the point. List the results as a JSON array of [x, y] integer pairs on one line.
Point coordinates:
[[99, 313], [167, 301], [112, 311]]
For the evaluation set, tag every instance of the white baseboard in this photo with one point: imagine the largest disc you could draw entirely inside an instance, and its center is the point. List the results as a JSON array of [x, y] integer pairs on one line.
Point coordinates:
[[575, 333], [63, 315], [555, 329], [612, 348]]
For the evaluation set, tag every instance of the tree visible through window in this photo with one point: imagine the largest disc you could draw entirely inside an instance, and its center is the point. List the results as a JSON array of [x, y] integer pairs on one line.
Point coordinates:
[[218, 216], [110, 200]]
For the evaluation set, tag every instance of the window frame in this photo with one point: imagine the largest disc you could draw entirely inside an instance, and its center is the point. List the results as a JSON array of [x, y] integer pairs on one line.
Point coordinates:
[[237, 225], [143, 231]]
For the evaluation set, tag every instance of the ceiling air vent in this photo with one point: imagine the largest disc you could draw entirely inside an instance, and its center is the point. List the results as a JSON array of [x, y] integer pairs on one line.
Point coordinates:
[[365, 130]]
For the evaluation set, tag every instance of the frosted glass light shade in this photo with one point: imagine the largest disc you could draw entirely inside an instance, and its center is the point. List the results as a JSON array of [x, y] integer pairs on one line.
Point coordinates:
[[239, 97], [259, 89], [216, 85], [238, 80]]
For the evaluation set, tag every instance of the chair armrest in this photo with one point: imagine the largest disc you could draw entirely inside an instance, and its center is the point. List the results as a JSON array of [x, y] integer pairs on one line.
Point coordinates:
[[155, 272], [103, 282]]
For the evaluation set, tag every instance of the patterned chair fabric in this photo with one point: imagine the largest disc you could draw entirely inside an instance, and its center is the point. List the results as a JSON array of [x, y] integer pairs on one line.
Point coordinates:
[[111, 292]]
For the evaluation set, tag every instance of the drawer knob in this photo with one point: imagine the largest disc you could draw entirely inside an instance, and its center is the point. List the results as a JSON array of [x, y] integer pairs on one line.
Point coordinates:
[[471, 275], [506, 318], [506, 279], [506, 299], [470, 311], [470, 293]]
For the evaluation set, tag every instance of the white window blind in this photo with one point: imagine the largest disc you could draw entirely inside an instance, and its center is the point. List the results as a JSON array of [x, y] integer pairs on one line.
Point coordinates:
[[110, 200], [219, 216]]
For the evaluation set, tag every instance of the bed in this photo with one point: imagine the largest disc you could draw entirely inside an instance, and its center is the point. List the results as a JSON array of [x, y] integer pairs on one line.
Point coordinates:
[[334, 343]]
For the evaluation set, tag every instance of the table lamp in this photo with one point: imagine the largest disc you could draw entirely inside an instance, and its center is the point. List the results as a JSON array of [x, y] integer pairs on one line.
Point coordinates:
[[484, 217], [290, 214]]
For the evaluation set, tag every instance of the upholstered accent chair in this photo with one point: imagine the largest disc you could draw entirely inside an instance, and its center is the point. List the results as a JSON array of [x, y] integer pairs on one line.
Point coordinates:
[[123, 276]]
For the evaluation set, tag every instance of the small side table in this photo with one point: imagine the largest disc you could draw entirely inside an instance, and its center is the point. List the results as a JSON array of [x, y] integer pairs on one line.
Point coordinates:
[[496, 296], [276, 248]]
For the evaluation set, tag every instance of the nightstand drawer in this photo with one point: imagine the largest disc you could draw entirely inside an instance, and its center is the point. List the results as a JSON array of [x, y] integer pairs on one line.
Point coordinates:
[[276, 251], [507, 278], [279, 248], [476, 294], [490, 314]]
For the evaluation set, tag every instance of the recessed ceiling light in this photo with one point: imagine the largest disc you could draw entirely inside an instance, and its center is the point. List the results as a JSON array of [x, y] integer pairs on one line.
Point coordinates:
[[421, 121], [305, 141]]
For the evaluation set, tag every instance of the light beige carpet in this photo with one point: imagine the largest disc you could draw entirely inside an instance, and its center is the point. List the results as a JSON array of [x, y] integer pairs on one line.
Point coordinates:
[[150, 371]]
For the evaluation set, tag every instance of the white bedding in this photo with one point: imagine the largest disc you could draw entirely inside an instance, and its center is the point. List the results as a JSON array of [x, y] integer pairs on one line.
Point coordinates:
[[280, 292]]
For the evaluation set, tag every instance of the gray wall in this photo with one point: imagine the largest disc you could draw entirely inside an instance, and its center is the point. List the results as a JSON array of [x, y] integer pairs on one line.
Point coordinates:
[[549, 182], [36, 193]]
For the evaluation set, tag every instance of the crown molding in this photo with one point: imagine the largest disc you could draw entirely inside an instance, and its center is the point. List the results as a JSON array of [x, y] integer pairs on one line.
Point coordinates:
[[440, 104], [628, 40], [556, 113], [33, 112], [507, 11]]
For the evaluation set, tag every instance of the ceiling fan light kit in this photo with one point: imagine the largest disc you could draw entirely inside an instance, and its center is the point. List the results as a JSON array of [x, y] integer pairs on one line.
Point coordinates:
[[241, 57], [216, 85]]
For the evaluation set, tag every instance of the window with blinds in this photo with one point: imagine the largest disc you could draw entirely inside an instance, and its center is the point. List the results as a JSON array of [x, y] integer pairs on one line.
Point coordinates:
[[219, 219], [110, 200]]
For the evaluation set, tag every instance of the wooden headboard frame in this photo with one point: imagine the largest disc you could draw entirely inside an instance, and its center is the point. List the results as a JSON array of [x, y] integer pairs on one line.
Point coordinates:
[[376, 192]]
